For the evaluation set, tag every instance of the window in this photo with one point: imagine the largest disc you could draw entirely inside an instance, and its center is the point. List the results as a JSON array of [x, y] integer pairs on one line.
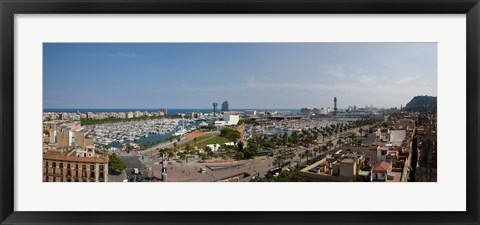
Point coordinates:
[[92, 167], [61, 170], [69, 172]]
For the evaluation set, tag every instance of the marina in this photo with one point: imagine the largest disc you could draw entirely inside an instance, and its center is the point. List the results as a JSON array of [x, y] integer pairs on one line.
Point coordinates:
[[136, 133]]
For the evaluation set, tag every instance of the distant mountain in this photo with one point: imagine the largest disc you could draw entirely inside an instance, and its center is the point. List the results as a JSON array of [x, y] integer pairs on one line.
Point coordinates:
[[422, 104]]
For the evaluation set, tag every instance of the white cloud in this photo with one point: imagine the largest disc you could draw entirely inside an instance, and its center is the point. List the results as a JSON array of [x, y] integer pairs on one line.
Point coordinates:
[[407, 80], [365, 79], [337, 71], [125, 55]]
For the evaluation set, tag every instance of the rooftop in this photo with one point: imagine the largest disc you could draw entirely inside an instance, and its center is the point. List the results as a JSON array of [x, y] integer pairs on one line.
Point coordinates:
[[381, 167]]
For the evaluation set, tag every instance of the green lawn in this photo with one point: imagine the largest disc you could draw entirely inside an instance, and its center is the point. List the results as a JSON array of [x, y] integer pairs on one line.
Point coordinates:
[[213, 140], [203, 141]]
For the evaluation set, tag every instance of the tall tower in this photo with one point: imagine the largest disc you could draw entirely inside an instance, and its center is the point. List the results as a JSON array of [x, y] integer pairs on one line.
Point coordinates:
[[214, 108], [335, 106], [225, 106]]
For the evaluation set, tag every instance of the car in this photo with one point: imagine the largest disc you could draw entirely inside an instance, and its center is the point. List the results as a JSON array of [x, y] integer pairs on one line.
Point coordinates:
[[202, 170]]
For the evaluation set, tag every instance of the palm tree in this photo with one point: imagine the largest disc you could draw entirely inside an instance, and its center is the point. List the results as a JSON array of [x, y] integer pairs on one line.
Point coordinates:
[[171, 140], [301, 156], [351, 135], [339, 142], [316, 151], [278, 161], [329, 144], [324, 148], [308, 154], [209, 151]]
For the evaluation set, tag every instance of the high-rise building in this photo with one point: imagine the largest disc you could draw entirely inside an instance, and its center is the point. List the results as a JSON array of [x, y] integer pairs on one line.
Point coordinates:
[[214, 108], [225, 106], [335, 105]]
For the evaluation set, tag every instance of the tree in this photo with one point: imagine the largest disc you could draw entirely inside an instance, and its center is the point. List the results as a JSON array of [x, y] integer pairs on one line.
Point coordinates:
[[340, 142], [301, 156], [285, 176], [170, 139], [279, 161], [285, 138], [307, 154], [351, 135], [240, 154], [230, 133], [324, 148], [115, 163], [249, 151], [209, 151], [358, 142], [329, 144], [316, 151], [183, 156], [188, 150], [240, 146]]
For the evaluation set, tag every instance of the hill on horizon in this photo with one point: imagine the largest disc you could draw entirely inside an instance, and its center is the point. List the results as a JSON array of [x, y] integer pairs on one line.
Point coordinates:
[[422, 104]]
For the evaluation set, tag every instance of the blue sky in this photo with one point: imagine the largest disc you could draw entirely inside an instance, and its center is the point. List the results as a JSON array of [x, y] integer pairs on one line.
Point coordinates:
[[248, 75]]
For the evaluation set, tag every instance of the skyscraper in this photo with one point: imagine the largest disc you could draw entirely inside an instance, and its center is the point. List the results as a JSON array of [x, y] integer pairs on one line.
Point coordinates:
[[225, 106], [335, 106], [214, 108]]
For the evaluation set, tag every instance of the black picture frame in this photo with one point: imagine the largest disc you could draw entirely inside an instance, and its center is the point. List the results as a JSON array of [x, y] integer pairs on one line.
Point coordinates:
[[11, 7]]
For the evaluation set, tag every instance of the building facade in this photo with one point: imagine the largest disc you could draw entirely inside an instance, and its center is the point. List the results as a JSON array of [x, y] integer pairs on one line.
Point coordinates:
[[225, 106], [72, 167]]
